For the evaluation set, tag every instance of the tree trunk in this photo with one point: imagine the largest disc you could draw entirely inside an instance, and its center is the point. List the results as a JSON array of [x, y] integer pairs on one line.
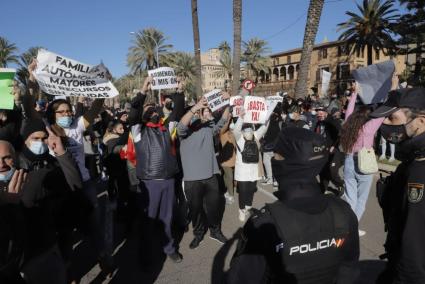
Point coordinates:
[[312, 24], [237, 27], [197, 46], [418, 55], [369, 54]]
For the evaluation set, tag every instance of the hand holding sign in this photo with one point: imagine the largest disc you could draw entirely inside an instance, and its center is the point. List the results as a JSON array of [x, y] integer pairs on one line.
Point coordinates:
[[203, 103], [147, 85], [217, 99]]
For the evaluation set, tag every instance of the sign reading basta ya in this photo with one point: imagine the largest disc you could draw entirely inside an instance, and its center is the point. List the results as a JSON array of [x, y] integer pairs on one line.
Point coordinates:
[[61, 76]]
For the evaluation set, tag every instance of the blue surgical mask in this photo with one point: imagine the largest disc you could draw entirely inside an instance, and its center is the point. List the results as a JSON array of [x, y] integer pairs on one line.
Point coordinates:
[[64, 121], [38, 147], [8, 175]]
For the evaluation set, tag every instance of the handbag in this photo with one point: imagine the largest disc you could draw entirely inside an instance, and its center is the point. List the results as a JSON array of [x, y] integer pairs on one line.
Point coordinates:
[[366, 161]]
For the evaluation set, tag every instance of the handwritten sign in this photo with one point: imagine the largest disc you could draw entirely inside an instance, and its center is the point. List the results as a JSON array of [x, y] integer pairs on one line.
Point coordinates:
[[237, 103], [255, 110], [215, 101], [271, 103], [163, 78], [6, 83]]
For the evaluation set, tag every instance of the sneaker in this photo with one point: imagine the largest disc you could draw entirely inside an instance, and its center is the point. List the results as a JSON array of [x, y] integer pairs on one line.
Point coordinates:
[[229, 199], [391, 159], [362, 233], [196, 242], [265, 181], [242, 215], [247, 212], [219, 237], [176, 257], [382, 157], [275, 184]]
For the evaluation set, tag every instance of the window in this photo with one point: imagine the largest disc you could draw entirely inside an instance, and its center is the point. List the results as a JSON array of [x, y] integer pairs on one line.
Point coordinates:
[[343, 71], [377, 54], [343, 50], [360, 53], [277, 61], [288, 58], [325, 53], [319, 73]]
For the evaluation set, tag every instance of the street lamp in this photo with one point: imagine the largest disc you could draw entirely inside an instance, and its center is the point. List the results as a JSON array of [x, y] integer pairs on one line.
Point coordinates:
[[157, 59]]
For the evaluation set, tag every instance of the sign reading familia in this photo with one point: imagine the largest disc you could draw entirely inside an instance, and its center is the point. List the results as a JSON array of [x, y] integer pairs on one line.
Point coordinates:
[[255, 110], [215, 100], [61, 76], [163, 78]]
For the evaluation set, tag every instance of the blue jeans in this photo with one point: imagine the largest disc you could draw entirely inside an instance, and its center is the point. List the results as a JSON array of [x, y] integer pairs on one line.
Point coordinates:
[[357, 186]]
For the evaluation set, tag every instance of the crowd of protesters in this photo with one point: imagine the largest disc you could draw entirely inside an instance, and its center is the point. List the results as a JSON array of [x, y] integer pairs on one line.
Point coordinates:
[[153, 158]]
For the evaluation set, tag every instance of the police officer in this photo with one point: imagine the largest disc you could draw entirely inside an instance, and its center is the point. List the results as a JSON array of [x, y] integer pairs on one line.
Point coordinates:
[[402, 201], [305, 236]]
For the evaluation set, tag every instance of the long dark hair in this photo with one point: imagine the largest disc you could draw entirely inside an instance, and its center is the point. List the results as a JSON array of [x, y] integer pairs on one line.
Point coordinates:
[[351, 128], [53, 107]]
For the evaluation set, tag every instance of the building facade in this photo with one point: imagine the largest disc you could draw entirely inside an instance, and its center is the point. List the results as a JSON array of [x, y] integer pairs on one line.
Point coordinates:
[[334, 57], [213, 73]]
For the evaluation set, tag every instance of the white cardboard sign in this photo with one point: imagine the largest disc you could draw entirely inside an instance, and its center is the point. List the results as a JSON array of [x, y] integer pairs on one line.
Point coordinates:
[[58, 75], [163, 78], [237, 103], [215, 101], [255, 110]]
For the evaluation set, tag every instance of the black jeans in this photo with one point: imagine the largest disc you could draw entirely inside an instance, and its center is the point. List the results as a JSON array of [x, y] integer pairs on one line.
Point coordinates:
[[246, 190], [204, 200]]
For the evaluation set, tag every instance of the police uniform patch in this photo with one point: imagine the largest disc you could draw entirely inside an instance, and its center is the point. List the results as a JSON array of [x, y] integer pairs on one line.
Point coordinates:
[[415, 192]]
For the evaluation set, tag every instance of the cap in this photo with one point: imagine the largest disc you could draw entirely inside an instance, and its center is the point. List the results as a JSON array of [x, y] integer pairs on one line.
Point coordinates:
[[32, 126], [402, 98], [300, 145]]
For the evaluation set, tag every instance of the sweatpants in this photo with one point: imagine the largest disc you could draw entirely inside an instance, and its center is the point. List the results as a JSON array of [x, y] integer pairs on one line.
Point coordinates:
[[158, 201], [204, 199], [246, 190]]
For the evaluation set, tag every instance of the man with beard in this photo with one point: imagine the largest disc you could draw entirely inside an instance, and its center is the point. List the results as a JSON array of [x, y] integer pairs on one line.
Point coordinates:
[[156, 168], [402, 199]]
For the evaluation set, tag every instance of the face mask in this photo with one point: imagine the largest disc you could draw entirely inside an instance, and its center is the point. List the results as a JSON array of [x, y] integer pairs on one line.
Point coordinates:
[[232, 126], [38, 147], [283, 116], [169, 105], [291, 116], [394, 133], [155, 119], [248, 135], [64, 121], [313, 112], [8, 175]]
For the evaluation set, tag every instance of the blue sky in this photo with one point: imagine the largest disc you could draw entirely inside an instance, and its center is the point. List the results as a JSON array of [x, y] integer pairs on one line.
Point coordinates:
[[94, 30]]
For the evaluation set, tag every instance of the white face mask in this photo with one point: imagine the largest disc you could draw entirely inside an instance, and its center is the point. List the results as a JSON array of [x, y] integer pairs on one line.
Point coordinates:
[[248, 135], [284, 116], [291, 116], [232, 126], [313, 112], [38, 147], [8, 175]]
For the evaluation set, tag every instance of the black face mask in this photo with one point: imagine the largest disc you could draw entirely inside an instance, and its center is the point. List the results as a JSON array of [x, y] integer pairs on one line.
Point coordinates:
[[169, 105], [154, 119], [394, 134]]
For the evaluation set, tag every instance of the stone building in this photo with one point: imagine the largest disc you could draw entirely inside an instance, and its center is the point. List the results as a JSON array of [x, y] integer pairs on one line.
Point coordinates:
[[332, 56], [213, 73]]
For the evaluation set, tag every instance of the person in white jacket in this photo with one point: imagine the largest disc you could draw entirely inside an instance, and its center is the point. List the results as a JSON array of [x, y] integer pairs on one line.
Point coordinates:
[[247, 174]]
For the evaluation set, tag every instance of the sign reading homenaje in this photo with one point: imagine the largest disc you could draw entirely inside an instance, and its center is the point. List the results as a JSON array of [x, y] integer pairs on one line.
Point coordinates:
[[163, 78], [61, 76]]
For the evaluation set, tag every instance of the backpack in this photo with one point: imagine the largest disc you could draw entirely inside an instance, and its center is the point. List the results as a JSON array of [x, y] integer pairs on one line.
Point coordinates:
[[250, 153]]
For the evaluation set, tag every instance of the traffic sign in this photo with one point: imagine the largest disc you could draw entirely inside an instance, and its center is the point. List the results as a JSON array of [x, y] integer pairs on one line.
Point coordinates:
[[248, 85]]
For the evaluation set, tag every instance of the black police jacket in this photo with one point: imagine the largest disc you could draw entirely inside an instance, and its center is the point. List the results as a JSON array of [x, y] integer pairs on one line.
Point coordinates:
[[404, 211], [268, 254]]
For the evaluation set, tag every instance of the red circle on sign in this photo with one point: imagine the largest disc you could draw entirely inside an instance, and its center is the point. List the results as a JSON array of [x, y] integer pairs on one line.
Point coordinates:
[[248, 85]]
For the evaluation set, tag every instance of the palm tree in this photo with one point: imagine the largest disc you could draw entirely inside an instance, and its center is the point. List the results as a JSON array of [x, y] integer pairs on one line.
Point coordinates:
[[224, 47], [197, 47], [237, 33], [7, 52], [225, 60], [311, 26], [24, 60], [146, 44], [255, 57], [371, 28]]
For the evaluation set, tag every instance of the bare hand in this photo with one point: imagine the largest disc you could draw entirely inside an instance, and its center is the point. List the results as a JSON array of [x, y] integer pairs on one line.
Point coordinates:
[[55, 143], [147, 85], [394, 82], [242, 113], [181, 85], [203, 103], [31, 68], [354, 88], [17, 182], [225, 95]]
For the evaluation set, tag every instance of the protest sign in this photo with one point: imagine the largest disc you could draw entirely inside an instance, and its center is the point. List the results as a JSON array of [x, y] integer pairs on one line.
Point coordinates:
[[374, 81], [6, 86], [163, 78], [61, 76], [255, 110], [271, 103], [237, 103], [215, 101], [326, 79]]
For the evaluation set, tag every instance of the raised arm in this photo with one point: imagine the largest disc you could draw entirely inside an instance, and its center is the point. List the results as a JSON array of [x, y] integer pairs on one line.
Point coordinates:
[[93, 112], [178, 99], [136, 110], [31, 94]]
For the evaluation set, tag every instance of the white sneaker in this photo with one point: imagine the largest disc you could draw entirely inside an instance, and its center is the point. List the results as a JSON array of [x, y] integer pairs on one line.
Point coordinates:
[[275, 184], [391, 159], [242, 215], [382, 157], [247, 212], [229, 199], [362, 233]]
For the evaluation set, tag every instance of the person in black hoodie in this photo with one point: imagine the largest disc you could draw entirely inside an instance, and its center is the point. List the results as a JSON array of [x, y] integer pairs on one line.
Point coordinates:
[[305, 236], [45, 200]]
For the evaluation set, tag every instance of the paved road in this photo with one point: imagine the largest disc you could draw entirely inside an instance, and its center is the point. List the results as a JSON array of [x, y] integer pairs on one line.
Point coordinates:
[[207, 263]]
